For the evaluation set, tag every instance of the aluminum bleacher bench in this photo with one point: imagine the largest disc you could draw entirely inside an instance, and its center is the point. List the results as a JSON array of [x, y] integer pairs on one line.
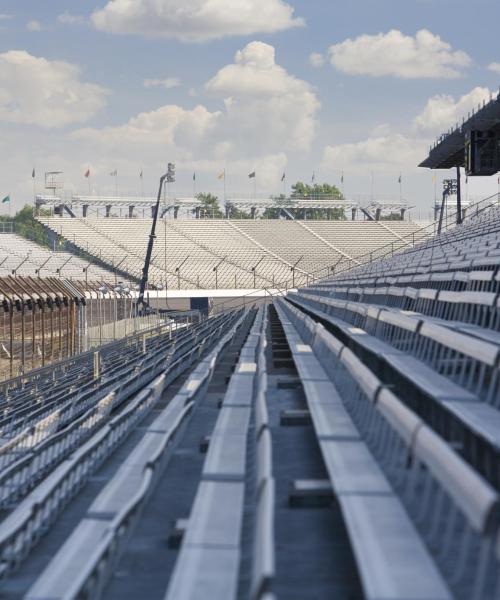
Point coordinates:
[[390, 555], [480, 418], [209, 558], [119, 504], [454, 508]]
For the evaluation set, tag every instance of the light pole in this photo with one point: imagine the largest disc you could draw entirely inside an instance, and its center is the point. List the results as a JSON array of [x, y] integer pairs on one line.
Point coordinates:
[[292, 269], [254, 269], [178, 271], [216, 269], [169, 176]]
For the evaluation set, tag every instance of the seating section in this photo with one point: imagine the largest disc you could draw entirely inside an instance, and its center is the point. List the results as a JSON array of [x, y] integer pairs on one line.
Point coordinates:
[[416, 513], [209, 561], [19, 256], [429, 324], [38, 444], [212, 253], [339, 441]]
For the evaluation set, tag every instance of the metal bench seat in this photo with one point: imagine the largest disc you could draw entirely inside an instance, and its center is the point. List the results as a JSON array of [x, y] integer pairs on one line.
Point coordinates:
[[240, 388], [426, 379], [71, 560], [379, 528], [481, 418], [330, 418], [226, 457], [201, 573], [393, 562], [352, 468], [216, 515]]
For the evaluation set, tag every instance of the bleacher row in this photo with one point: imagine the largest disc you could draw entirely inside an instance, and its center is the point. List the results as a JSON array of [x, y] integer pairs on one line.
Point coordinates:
[[412, 346], [22, 257], [85, 561], [392, 371], [228, 253], [218, 559], [51, 452]]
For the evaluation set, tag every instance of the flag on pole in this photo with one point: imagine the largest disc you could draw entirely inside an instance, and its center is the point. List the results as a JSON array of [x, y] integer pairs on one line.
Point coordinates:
[[194, 176], [222, 175], [6, 199], [87, 173], [342, 177], [313, 178], [33, 173], [114, 173], [140, 174], [399, 178], [251, 175], [283, 177]]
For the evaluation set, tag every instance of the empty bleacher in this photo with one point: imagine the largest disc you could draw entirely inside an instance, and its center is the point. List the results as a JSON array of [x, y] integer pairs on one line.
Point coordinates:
[[19, 256], [212, 253], [341, 441]]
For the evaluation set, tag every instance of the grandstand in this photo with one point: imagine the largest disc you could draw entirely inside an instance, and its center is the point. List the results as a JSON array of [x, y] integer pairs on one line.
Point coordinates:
[[339, 441], [234, 254], [19, 256]]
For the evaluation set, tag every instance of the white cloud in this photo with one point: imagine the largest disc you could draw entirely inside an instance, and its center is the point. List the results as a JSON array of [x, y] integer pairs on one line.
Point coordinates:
[[33, 26], [4, 17], [265, 105], [393, 150], [316, 60], [424, 56], [67, 18], [495, 67], [46, 93], [195, 20], [170, 127], [251, 130], [168, 83], [442, 111]]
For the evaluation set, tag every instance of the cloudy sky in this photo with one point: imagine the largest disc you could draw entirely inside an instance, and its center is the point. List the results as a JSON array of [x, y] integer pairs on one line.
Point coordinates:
[[297, 86]]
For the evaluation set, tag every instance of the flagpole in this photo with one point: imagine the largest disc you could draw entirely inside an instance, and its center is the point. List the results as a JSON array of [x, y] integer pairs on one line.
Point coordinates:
[[400, 188], [224, 187], [284, 185], [194, 185], [141, 175]]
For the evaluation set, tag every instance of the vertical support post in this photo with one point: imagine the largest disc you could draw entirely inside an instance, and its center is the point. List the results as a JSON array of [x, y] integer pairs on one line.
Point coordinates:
[[11, 338], [441, 213], [97, 365], [42, 312], [459, 198], [22, 334]]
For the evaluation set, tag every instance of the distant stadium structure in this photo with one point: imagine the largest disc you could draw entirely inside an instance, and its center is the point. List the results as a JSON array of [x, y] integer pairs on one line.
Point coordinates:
[[295, 397], [228, 253]]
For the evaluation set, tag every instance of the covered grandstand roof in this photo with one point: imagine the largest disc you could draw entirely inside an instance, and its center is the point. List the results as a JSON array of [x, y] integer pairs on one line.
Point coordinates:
[[449, 149]]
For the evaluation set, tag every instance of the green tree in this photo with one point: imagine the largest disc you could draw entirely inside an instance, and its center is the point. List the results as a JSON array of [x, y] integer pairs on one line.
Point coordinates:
[[27, 226], [318, 191], [209, 206], [237, 213], [391, 217]]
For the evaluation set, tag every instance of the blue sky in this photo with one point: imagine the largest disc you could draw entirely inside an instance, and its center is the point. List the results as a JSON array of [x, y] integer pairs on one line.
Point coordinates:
[[74, 80]]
